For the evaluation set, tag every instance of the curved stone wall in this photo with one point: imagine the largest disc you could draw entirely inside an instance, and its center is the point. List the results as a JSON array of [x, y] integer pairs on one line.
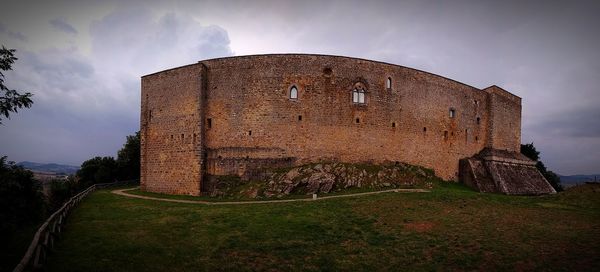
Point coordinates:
[[235, 116]]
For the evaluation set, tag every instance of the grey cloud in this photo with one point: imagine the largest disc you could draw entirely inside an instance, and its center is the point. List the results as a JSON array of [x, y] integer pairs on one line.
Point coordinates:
[[13, 35], [213, 42], [575, 123], [85, 105], [62, 25], [148, 46]]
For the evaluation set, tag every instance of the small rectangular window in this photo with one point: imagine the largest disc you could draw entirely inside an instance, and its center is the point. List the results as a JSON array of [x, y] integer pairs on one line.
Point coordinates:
[[299, 117], [250, 132], [393, 124], [452, 113], [357, 120], [209, 122]]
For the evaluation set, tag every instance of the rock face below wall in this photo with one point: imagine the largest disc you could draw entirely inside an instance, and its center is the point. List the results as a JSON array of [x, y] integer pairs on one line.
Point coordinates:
[[499, 171], [322, 178]]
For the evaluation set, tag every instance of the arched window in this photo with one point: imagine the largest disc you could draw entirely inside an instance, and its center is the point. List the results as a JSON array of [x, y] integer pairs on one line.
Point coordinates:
[[358, 96], [388, 83], [293, 92]]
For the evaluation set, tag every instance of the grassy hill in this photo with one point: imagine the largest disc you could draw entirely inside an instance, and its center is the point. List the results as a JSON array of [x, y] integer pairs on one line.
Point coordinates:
[[451, 228]]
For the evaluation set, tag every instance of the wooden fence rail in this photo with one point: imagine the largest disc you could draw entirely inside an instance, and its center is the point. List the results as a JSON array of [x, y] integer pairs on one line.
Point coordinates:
[[44, 238]]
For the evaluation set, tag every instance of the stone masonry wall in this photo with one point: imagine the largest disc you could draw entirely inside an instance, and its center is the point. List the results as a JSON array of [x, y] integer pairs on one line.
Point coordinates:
[[250, 120], [253, 109], [505, 120], [170, 131]]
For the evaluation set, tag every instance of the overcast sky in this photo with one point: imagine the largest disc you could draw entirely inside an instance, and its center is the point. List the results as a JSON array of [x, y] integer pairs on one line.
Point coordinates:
[[83, 60]]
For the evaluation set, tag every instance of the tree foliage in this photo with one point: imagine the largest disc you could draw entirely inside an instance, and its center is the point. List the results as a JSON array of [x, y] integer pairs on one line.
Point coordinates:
[[128, 158], [97, 170], [531, 152], [61, 191], [21, 200], [10, 100]]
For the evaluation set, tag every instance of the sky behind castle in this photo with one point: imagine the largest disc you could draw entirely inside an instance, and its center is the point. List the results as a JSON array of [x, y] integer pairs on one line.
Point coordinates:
[[83, 60]]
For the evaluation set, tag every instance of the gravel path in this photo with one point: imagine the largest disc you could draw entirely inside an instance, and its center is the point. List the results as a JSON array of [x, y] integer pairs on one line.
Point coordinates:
[[123, 192]]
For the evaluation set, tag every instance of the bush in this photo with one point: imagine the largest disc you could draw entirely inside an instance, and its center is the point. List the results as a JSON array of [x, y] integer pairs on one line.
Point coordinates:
[[61, 191], [21, 200], [97, 170]]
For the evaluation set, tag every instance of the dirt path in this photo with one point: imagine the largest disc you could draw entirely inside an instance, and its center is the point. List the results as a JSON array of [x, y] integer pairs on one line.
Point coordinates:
[[122, 192]]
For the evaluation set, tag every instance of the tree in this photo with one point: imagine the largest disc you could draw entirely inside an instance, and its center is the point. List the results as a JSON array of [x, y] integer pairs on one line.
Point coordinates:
[[128, 158], [97, 170], [21, 200], [10, 100], [531, 152], [61, 191]]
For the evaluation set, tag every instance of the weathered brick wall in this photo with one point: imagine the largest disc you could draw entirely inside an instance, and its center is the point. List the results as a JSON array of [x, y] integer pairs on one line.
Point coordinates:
[[504, 125], [250, 121], [170, 131], [249, 106]]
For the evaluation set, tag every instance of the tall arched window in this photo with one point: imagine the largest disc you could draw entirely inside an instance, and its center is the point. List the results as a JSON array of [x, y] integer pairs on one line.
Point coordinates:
[[293, 92], [388, 83]]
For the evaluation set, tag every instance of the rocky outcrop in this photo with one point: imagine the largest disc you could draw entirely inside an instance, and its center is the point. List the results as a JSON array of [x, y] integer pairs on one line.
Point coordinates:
[[321, 178], [325, 178], [500, 171]]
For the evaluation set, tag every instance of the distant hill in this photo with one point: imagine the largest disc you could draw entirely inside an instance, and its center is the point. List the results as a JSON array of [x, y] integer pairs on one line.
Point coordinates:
[[49, 167], [578, 179]]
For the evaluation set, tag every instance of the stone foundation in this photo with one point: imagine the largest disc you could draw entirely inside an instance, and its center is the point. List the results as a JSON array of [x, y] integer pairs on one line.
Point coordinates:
[[499, 171]]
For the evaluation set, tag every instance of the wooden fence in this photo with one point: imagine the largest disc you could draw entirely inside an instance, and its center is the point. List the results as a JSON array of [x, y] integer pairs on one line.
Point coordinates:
[[43, 240]]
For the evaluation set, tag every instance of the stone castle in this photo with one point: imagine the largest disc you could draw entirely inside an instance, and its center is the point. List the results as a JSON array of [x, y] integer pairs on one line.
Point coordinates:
[[238, 115]]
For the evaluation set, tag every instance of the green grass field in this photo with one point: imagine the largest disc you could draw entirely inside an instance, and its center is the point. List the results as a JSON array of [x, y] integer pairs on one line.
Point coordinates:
[[451, 228]]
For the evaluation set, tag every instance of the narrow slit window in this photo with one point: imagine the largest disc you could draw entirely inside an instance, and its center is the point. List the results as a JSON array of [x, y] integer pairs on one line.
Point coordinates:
[[150, 115], [293, 92], [393, 124], [249, 132], [182, 136], [424, 129], [209, 122], [357, 120], [299, 117], [466, 135], [388, 83], [476, 138], [478, 120]]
